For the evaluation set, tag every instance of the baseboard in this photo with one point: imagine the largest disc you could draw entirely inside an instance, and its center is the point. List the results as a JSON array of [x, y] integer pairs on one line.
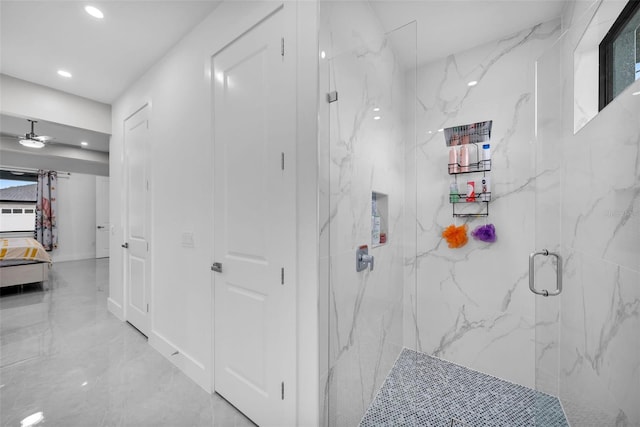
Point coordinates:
[[115, 309], [72, 257], [182, 360]]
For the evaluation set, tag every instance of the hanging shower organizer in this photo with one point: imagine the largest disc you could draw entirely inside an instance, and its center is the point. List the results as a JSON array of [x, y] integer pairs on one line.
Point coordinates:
[[479, 195]]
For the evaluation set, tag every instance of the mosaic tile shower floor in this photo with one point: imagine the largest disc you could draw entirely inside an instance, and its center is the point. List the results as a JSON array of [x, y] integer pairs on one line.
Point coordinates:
[[425, 391]]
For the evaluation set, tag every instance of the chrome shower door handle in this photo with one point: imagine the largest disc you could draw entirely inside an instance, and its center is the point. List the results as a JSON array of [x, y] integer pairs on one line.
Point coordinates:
[[532, 279]]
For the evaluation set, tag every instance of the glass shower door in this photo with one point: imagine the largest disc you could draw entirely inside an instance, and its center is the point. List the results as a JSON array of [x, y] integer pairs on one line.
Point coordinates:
[[368, 223], [587, 203], [546, 259]]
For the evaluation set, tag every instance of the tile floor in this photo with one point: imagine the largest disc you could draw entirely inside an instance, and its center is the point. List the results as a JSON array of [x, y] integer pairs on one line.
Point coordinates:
[[64, 355], [426, 391]]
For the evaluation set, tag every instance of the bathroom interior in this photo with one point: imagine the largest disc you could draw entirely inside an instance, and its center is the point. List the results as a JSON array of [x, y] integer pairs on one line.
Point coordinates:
[[517, 305], [431, 333]]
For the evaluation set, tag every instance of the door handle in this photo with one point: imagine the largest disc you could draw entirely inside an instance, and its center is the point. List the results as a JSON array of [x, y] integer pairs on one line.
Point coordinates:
[[217, 267], [532, 279], [125, 245], [100, 227]]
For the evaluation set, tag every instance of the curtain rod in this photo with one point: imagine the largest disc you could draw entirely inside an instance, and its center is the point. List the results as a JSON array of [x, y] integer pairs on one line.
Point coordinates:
[[19, 169]]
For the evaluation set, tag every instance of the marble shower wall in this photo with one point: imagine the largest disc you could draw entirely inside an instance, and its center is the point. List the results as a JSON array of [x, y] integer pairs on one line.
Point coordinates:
[[599, 379], [358, 155], [474, 307]]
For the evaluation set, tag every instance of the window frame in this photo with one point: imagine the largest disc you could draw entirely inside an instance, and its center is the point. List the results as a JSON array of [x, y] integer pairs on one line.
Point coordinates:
[[605, 86], [7, 205]]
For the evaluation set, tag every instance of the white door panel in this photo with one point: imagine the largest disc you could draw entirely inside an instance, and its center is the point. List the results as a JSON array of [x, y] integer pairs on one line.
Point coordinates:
[[254, 225], [136, 142]]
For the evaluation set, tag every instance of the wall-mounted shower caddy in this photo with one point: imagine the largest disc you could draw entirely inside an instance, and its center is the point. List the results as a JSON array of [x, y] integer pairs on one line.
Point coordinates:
[[476, 191]]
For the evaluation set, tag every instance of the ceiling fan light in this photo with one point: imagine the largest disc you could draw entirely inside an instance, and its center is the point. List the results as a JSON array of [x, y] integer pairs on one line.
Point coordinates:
[[31, 143], [94, 11]]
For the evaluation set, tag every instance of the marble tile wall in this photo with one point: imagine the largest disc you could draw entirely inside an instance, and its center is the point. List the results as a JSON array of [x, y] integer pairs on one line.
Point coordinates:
[[574, 194], [474, 307], [358, 155], [599, 379]]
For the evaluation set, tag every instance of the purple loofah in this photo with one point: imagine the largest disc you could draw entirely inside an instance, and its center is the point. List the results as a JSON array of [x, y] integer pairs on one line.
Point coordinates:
[[485, 233]]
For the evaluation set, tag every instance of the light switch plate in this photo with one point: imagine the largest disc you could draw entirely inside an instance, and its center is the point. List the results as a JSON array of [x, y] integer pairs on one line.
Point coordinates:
[[187, 240]]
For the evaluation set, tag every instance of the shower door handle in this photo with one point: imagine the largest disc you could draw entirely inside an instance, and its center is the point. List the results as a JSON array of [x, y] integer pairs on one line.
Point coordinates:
[[532, 268]]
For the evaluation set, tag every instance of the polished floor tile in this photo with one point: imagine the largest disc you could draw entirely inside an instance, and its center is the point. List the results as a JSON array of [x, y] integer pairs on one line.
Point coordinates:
[[62, 354]]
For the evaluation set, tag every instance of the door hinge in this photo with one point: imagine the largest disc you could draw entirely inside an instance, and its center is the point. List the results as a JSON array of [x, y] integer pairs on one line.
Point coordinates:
[[147, 308], [282, 276], [147, 185], [147, 246], [282, 389], [282, 46], [282, 160], [332, 96]]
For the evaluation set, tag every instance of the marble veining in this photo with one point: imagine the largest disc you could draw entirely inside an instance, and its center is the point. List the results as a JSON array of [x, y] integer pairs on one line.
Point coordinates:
[[474, 306], [365, 154]]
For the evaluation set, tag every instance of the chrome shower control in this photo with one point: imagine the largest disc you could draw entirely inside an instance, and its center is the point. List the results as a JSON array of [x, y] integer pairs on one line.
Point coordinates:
[[363, 258]]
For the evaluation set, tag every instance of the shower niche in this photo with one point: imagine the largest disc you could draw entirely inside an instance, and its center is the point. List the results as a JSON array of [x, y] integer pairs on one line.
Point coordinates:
[[379, 219]]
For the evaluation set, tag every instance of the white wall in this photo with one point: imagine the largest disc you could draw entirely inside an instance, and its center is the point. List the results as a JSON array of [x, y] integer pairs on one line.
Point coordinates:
[[76, 218], [178, 91]]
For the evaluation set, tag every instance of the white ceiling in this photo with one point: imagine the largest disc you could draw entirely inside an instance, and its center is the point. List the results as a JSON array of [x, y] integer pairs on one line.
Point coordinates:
[[445, 27], [104, 56]]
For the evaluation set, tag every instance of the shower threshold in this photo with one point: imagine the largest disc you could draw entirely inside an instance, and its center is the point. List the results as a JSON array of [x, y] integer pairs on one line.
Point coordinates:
[[422, 390]]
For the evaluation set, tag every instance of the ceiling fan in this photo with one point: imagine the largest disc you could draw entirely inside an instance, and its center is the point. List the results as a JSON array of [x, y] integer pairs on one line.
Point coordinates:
[[32, 140]]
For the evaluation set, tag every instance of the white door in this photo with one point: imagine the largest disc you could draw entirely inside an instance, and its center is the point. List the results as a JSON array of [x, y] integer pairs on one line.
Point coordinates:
[[137, 260], [102, 217], [254, 225]]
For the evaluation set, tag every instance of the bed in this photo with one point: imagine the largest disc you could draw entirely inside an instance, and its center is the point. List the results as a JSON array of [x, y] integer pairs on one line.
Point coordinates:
[[23, 260]]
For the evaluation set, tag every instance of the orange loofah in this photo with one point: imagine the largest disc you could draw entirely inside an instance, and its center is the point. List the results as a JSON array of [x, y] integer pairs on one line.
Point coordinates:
[[456, 237]]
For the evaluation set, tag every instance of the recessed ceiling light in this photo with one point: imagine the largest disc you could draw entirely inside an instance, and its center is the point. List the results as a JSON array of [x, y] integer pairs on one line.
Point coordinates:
[[376, 109], [472, 83], [376, 118], [64, 73], [636, 93], [84, 143], [94, 11], [440, 130]]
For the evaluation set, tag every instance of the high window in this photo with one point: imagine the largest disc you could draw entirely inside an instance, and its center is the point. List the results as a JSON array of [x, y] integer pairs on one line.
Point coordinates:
[[620, 54]]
